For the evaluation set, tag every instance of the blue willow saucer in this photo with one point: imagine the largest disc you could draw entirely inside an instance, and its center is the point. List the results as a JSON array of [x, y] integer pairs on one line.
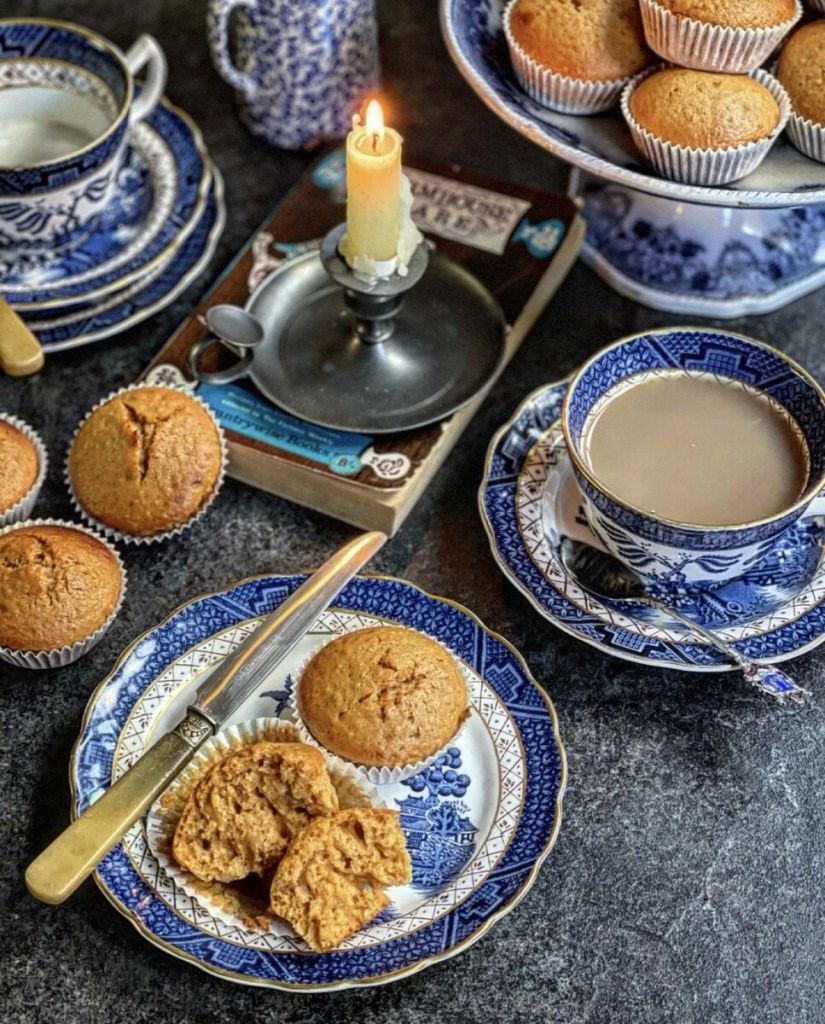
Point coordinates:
[[161, 194], [529, 498], [151, 292], [478, 822]]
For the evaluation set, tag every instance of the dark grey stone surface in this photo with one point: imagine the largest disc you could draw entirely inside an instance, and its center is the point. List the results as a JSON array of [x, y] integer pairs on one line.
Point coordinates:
[[686, 884]]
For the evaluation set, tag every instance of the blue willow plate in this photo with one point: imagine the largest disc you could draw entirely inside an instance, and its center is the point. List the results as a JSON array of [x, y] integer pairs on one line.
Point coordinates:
[[529, 497], [161, 194], [601, 143], [478, 822], [151, 292]]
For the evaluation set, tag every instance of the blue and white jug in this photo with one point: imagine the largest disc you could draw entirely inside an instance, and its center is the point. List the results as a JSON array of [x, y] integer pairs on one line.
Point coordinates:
[[301, 68]]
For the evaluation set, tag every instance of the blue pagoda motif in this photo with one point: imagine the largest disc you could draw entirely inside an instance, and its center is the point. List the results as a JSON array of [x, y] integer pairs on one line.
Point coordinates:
[[440, 836]]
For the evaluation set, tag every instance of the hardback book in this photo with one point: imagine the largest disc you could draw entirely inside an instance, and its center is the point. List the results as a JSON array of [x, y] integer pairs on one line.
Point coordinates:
[[518, 242]]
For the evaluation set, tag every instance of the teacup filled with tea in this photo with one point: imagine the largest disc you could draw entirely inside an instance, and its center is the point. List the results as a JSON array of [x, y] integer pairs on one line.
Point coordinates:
[[67, 99], [695, 451]]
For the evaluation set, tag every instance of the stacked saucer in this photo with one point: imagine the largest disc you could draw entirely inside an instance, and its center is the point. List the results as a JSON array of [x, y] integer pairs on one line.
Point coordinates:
[[154, 237]]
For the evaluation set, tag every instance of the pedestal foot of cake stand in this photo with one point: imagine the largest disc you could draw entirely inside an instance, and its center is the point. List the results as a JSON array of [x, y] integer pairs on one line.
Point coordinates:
[[713, 261]]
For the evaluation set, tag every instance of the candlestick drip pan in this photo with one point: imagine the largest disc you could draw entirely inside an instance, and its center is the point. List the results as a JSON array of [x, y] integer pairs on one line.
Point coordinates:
[[314, 362]]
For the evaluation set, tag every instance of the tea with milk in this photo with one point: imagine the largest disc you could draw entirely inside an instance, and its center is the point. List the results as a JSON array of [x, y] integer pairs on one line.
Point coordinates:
[[696, 449]]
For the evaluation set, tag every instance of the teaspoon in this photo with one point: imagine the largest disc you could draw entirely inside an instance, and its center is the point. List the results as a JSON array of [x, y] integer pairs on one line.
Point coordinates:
[[605, 576]]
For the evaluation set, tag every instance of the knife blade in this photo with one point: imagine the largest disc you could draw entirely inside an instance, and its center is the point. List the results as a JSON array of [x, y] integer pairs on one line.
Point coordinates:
[[55, 874]]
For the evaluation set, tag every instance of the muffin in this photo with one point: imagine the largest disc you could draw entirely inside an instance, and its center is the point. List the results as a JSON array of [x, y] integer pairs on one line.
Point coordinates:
[[145, 462], [22, 469], [240, 817], [382, 697], [248, 835], [60, 587], [575, 55], [329, 884], [704, 128], [801, 70], [718, 35]]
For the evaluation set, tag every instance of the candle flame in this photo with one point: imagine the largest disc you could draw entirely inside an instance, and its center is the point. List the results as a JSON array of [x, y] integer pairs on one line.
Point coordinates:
[[375, 123]]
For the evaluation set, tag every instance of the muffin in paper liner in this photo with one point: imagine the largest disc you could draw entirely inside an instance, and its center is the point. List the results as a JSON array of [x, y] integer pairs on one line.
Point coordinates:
[[22, 509], [696, 44], [556, 91], [239, 904], [705, 166], [807, 136], [134, 538], [378, 776], [60, 656]]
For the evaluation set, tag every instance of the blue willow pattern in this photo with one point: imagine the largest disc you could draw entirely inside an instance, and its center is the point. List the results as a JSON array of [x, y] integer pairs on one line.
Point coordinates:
[[766, 588], [536, 822]]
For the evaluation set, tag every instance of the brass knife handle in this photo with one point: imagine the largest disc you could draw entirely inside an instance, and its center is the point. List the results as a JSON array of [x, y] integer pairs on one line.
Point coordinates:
[[70, 859]]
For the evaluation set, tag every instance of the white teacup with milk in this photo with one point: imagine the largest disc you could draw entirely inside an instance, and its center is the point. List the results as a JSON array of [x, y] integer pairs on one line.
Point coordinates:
[[67, 99]]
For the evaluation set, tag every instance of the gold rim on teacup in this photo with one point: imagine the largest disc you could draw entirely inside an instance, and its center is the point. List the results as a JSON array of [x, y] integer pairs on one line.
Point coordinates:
[[111, 51], [811, 489]]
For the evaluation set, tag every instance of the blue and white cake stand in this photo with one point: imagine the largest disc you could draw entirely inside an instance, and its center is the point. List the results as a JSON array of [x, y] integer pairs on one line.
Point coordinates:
[[750, 247]]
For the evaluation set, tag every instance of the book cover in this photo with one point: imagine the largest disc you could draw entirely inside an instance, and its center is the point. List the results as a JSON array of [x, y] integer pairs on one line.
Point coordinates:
[[518, 242]]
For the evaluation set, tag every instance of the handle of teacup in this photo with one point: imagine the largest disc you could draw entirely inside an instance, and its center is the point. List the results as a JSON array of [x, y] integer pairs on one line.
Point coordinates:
[[218, 13], [145, 54], [226, 376]]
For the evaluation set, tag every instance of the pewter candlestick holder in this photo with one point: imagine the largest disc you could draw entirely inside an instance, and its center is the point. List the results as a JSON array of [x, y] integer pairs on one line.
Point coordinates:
[[376, 302], [377, 356]]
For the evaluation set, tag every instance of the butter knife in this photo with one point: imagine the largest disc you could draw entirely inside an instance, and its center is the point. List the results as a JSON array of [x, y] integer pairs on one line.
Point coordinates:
[[71, 858]]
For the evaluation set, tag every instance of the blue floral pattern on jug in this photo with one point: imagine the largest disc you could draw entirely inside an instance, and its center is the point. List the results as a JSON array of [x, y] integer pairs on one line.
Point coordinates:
[[301, 70]]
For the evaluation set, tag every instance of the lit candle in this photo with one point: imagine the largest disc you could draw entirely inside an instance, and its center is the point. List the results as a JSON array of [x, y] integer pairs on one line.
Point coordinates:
[[373, 190]]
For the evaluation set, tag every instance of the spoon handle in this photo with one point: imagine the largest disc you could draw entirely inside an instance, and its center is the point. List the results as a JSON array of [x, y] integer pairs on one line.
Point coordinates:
[[767, 678]]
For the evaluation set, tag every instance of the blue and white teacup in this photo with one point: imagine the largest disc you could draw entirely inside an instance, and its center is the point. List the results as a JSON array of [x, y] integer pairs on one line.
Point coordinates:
[[301, 70], [66, 102], [679, 554]]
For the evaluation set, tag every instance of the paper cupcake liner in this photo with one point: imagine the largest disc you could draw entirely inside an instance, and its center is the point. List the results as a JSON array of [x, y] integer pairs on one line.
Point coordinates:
[[704, 47], [218, 898], [559, 92], [705, 166], [23, 508], [817, 5], [153, 538], [60, 656], [383, 776], [807, 136]]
